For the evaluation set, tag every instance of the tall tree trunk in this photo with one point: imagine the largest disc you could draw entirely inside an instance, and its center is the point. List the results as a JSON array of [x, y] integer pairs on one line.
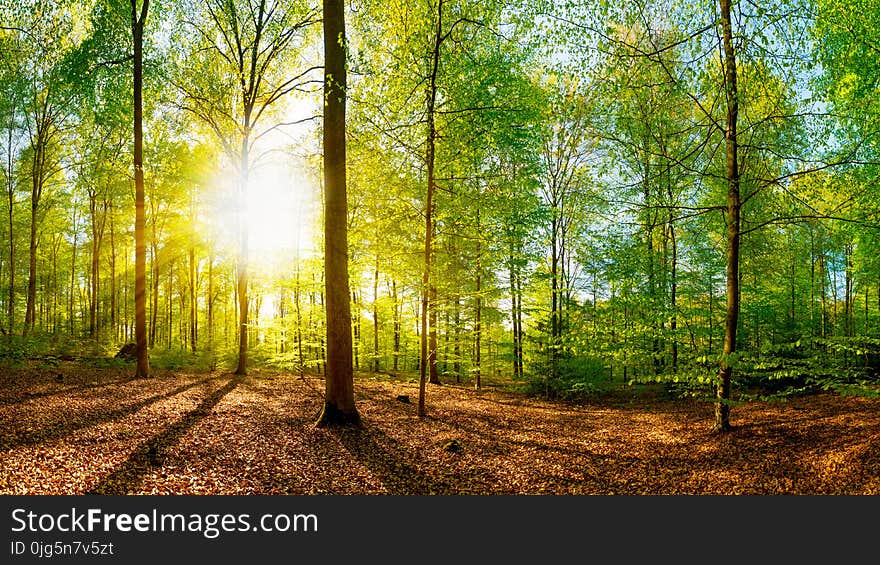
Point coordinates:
[[10, 196], [456, 347], [554, 301], [478, 316], [299, 340], [38, 171], [849, 298], [210, 305], [433, 324], [339, 405], [154, 312], [71, 317], [431, 99], [193, 301], [396, 354], [140, 273], [518, 320], [376, 316], [722, 405], [169, 303], [113, 317], [356, 328]]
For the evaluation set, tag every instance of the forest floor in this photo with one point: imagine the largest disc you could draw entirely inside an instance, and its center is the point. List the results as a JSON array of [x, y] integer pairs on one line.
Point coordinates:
[[74, 429]]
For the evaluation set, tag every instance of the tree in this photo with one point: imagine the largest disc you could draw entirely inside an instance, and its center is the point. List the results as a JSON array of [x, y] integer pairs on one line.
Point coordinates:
[[138, 20], [339, 406], [237, 70], [722, 406]]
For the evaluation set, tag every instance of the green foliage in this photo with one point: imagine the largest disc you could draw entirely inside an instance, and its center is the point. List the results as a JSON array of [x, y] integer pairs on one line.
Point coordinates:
[[575, 378], [176, 359], [840, 364]]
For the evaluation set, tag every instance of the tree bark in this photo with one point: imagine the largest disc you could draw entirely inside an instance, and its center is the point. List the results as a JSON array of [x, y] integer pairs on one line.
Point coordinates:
[[339, 405], [10, 195], [431, 99], [722, 405], [140, 276], [376, 317]]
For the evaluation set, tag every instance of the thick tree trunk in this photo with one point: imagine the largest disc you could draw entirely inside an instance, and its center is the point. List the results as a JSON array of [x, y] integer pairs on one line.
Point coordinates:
[[722, 405], [339, 405]]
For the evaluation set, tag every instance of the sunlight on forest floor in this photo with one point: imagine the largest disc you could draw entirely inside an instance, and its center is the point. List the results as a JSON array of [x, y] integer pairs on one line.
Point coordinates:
[[99, 431]]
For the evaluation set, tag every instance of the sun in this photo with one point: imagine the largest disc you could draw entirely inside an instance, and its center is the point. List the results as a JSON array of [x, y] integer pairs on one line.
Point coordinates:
[[279, 212]]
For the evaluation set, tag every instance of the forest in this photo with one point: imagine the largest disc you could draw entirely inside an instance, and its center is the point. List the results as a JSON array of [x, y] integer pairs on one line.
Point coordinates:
[[439, 246]]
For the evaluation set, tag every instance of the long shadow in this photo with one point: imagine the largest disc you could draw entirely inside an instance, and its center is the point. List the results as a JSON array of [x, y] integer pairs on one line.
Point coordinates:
[[26, 396], [390, 465], [66, 427], [151, 453]]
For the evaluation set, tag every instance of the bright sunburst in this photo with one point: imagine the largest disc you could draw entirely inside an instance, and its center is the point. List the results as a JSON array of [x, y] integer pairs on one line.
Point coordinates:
[[279, 212]]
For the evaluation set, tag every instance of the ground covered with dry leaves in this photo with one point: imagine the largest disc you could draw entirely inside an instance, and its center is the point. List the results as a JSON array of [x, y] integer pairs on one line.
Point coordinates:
[[72, 430]]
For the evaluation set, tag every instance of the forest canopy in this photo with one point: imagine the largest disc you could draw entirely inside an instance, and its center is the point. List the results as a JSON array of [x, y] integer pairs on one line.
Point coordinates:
[[568, 195]]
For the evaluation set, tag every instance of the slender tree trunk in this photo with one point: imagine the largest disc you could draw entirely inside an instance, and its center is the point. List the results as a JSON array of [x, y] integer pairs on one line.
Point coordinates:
[[169, 303], [36, 193], [396, 354], [849, 298], [431, 96], [673, 296], [478, 317], [297, 303], [140, 277], [193, 301], [433, 324], [823, 268], [356, 328], [154, 313], [456, 346], [339, 404], [210, 305], [56, 288], [71, 316], [113, 317], [513, 314], [376, 316], [10, 195], [722, 406], [519, 324], [554, 302], [812, 285]]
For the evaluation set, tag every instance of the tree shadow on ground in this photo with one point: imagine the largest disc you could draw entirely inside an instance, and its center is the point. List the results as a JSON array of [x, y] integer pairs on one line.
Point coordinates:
[[151, 453], [27, 395], [390, 463], [68, 424]]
